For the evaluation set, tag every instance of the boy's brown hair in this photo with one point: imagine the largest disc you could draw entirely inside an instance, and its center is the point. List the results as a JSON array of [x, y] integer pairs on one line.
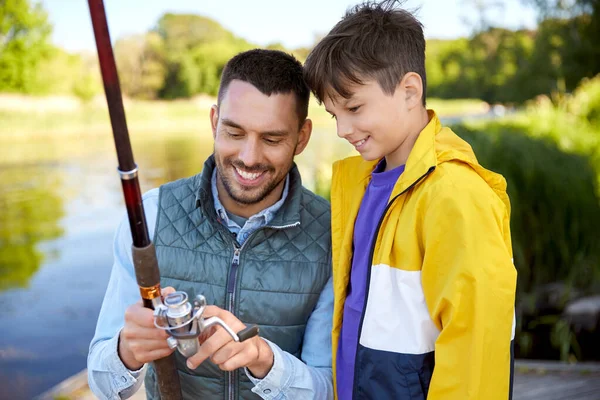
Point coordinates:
[[374, 40]]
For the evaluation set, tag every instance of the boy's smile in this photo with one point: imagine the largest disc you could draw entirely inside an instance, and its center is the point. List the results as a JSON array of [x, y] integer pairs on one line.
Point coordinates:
[[379, 124]]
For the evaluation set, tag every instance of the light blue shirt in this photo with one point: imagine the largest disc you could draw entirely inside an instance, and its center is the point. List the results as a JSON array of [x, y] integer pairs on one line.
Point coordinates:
[[256, 221], [289, 378]]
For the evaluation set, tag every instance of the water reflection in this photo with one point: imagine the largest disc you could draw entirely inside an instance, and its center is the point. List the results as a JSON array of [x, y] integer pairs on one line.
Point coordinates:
[[170, 158], [60, 203], [31, 210]]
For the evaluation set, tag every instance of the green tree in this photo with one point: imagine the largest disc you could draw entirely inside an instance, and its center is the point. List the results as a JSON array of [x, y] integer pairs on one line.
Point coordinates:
[[196, 50], [574, 29], [24, 44], [142, 65]]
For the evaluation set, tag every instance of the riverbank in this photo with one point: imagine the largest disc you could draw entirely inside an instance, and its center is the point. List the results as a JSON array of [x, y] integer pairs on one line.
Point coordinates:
[[28, 117]]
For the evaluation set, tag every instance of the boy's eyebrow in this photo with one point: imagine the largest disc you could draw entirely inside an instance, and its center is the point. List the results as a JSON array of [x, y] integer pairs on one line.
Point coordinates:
[[232, 124], [343, 103]]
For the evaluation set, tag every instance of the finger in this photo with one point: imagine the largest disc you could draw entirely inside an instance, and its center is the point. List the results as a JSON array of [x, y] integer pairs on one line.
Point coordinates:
[[139, 315], [213, 311], [226, 352], [135, 332], [243, 358], [219, 339], [145, 346], [168, 290], [206, 333], [231, 320], [153, 355]]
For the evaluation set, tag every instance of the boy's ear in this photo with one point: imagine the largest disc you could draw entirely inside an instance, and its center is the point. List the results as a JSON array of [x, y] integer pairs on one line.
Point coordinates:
[[413, 89]]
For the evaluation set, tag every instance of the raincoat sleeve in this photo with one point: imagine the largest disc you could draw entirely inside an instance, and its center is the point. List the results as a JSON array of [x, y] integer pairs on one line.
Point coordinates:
[[469, 282]]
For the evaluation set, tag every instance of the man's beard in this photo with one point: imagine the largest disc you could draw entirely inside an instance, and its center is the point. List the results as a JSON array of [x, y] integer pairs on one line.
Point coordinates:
[[248, 197]]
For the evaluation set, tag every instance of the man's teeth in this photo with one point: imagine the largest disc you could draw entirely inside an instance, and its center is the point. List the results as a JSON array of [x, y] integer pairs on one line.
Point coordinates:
[[358, 144], [247, 175]]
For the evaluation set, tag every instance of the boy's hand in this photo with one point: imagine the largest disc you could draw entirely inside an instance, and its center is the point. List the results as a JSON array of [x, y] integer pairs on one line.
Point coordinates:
[[254, 353], [140, 341]]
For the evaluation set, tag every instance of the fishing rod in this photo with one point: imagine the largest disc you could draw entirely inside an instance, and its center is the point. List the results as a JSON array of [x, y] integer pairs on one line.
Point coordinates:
[[144, 254]]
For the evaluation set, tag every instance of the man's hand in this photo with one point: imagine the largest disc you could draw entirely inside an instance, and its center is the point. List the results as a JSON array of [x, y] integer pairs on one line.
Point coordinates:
[[140, 341], [254, 353]]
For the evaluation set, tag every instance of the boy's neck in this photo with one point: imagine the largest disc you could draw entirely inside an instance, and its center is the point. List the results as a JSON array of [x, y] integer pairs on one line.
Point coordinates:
[[399, 156]]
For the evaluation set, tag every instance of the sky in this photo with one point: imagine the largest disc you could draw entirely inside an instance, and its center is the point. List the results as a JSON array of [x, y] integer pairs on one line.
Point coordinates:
[[262, 22]]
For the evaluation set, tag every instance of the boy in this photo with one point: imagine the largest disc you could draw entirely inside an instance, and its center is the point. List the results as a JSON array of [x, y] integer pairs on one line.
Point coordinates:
[[423, 278]]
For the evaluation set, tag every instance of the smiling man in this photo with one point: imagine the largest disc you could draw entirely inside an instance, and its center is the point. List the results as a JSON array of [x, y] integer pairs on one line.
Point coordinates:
[[248, 236]]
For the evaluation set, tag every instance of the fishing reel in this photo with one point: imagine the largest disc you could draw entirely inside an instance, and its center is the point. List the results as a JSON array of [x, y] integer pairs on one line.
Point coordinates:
[[185, 323]]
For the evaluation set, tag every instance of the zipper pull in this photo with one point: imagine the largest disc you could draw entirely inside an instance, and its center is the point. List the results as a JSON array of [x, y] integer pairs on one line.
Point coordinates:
[[233, 270], [236, 256]]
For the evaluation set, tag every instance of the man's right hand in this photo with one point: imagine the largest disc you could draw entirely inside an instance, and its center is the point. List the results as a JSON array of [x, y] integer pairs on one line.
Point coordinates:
[[140, 341]]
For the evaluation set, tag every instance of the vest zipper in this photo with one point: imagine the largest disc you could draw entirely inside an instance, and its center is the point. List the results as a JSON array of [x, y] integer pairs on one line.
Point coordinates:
[[231, 281], [231, 286], [355, 393]]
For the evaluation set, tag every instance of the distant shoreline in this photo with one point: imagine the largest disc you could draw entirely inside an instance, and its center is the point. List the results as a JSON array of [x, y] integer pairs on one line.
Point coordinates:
[[28, 117]]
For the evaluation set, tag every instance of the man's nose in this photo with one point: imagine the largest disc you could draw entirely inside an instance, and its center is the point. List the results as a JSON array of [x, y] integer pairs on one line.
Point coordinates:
[[250, 153]]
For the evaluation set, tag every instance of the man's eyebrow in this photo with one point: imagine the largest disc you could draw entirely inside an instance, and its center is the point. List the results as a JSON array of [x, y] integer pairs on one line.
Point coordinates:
[[280, 132], [235, 125], [232, 124]]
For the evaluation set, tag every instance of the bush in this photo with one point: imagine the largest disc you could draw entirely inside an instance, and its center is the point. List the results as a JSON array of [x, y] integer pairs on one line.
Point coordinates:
[[555, 207]]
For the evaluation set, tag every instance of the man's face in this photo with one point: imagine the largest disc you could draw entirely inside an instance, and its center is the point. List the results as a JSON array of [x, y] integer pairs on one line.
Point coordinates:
[[256, 139]]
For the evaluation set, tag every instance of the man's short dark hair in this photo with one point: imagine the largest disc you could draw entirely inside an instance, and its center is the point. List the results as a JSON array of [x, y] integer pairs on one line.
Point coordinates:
[[271, 72], [374, 40]]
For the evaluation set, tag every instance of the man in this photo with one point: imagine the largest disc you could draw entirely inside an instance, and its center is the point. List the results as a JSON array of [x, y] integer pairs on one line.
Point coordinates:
[[246, 235]]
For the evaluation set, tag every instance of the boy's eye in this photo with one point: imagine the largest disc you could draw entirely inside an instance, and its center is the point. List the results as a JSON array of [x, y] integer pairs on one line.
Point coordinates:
[[353, 109]]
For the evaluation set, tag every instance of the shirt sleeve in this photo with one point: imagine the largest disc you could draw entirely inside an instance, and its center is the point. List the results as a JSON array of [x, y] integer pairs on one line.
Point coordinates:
[[108, 377]]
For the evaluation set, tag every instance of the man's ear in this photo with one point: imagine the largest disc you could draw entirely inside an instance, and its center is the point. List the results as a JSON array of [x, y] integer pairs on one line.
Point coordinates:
[[303, 136], [412, 86], [214, 119]]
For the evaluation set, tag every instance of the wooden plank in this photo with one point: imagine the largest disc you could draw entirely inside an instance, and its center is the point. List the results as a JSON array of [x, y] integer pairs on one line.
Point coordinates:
[[533, 381]]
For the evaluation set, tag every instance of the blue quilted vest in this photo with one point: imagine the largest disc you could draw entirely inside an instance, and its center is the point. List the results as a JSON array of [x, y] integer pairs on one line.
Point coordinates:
[[274, 280]]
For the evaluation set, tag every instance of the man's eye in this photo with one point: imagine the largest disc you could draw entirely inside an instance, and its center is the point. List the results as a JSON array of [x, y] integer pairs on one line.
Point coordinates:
[[234, 135], [273, 141]]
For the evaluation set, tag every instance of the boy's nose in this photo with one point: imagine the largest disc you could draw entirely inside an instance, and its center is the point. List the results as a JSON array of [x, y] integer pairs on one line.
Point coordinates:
[[343, 129]]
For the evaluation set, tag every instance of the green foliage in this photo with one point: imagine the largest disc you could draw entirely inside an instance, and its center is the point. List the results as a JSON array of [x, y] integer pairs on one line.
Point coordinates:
[[196, 49], [24, 44], [184, 56], [485, 66], [499, 65], [569, 120], [549, 157], [141, 63]]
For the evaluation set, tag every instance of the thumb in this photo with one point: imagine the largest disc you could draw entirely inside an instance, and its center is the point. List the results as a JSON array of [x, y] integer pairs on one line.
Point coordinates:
[[166, 291]]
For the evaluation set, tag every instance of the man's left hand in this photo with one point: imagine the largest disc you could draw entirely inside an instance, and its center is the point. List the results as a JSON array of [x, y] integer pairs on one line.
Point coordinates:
[[254, 353]]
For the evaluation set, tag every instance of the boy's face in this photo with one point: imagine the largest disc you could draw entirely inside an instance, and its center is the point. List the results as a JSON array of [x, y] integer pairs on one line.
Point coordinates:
[[256, 139], [375, 123]]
